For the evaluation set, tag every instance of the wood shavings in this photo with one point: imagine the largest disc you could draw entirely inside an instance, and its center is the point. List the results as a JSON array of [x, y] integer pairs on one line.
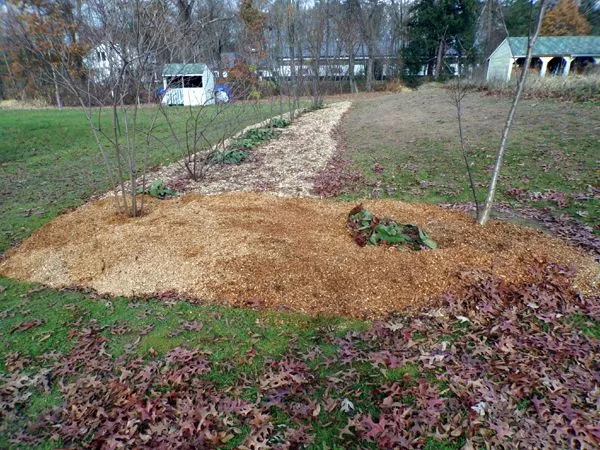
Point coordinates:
[[292, 253]]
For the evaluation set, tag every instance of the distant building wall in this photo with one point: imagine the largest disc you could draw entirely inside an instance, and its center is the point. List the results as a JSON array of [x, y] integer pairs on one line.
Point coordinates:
[[500, 63]]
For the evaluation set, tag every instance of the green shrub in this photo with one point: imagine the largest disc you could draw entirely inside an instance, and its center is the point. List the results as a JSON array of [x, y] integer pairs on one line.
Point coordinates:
[[412, 81], [238, 150], [316, 105], [252, 137]]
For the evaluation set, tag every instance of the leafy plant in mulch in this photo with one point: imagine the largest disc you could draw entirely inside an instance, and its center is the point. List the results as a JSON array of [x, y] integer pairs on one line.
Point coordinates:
[[238, 151], [367, 228], [158, 190], [279, 122], [230, 156], [252, 138]]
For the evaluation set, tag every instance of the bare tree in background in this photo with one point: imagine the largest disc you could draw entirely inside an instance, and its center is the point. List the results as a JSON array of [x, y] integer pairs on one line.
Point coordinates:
[[292, 8], [316, 39], [491, 31], [346, 20], [371, 17], [397, 12], [55, 30], [129, 35], [276, 49]]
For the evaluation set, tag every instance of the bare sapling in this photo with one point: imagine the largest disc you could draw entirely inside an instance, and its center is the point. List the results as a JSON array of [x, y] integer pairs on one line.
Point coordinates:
[[459, 94], [115, 70], [198, 132], [487, 208]]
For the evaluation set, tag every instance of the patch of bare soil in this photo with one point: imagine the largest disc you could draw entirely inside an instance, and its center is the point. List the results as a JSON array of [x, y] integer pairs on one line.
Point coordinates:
[[286, 165], [292, 253]]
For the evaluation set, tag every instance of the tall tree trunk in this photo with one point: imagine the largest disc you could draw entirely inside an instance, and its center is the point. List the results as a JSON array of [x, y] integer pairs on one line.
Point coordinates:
[[56, 90], [439, 59], [353, 87], [294, 82], [370, 70], [485, 214]]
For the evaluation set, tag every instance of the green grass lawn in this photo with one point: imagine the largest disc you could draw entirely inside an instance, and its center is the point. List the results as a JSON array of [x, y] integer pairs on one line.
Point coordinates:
[[69, 357], [408, 147], [50, 160]]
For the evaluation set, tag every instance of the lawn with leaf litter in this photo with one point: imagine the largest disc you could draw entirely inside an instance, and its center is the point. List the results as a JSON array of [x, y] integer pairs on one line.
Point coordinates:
[[406, 147], [494, 364]]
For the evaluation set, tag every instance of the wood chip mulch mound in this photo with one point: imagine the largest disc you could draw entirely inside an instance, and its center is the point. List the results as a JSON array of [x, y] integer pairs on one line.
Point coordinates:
[[290, 253]]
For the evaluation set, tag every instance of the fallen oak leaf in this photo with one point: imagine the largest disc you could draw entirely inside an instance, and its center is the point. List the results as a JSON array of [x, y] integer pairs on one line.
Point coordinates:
[[317, 410], [192, 325], [347, 406], [28, 325]]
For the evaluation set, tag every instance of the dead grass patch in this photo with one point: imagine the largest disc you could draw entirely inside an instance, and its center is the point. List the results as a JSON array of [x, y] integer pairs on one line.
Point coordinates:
[[291, 253]]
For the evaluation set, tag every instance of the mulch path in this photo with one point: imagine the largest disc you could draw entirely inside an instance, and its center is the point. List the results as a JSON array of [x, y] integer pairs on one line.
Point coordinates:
[[250, 249], [286, 165]]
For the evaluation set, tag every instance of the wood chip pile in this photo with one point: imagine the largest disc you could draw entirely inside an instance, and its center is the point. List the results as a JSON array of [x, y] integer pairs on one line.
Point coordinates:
[[290, 253]]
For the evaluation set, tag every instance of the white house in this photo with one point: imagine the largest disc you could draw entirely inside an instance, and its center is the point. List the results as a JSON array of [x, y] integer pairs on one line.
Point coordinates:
[[557, 55], [102, 62], [188, 85]]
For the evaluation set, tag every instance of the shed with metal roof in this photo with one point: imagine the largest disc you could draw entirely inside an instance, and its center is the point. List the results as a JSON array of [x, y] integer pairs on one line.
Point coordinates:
[[551, 54]]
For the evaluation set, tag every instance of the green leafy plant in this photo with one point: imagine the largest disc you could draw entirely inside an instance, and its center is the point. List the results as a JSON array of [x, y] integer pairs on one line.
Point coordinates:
[[238, 150], [231, 156], [278, 122], [259, 134], [253, 137], [366, 228], [315, 106], [158, 190]]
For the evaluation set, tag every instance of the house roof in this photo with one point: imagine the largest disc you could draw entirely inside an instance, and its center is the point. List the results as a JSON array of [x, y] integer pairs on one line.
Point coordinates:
[[557, 46], [170, 70]]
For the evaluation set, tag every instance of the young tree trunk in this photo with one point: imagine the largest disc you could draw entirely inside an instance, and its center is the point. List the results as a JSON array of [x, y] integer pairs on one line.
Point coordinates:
[[315, 82], [459, 94], [300, 78], [485, 214]]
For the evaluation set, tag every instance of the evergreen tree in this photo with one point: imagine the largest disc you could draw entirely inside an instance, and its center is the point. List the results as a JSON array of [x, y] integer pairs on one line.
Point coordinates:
[[519, 15], [436, 25]]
